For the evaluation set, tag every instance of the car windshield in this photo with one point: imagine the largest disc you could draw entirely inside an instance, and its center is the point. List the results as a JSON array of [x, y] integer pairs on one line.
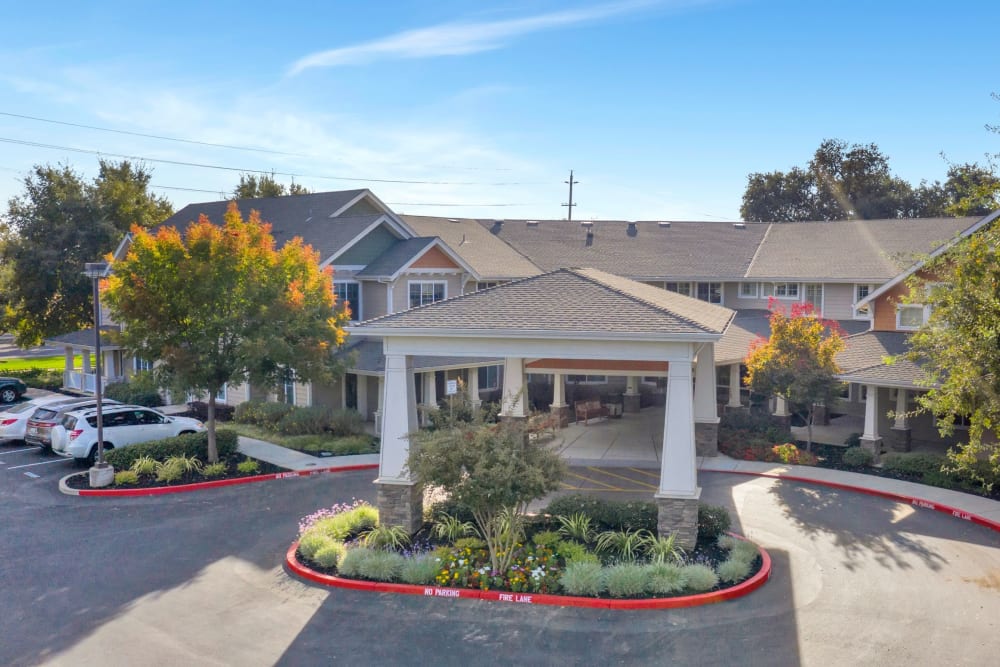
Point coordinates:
[[44, 413], [22, 407]]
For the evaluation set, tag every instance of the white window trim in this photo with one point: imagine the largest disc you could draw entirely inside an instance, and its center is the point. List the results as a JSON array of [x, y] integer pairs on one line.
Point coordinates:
[[135, 364], [754, 295], [899, 309], [822, 296], [223, 395], [678, 284], [854, 303], [487, 386], [410, 283], [786, 297], [587, 381], [355, 307]]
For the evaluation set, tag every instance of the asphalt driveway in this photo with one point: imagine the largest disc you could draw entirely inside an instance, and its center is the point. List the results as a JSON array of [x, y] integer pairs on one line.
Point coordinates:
[[197, 579]]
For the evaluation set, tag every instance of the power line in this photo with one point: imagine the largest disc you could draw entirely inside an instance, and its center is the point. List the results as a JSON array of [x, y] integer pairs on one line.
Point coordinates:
[[87, 151], [391, 203]]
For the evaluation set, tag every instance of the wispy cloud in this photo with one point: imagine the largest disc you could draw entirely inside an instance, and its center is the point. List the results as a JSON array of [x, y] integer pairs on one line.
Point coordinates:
[[461, 38]]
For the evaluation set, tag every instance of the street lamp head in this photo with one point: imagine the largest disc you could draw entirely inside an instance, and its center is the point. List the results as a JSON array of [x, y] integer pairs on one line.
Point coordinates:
[[95, 269]]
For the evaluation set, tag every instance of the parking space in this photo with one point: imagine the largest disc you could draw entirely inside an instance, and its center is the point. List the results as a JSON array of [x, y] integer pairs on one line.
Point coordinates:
[[611, 480], [29, 463]]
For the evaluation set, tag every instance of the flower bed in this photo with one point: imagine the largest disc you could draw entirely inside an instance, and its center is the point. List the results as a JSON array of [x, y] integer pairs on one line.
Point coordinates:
[[346, 541]]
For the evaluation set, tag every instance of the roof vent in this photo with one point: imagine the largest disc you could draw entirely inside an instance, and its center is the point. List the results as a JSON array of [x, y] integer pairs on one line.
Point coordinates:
[[497, 227], [586, 223], [664, 223], [531, 223], [453, 220], [633, 229], [739, 225]]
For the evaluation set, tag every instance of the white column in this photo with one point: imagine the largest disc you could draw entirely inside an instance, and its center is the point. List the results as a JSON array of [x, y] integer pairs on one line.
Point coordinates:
[[515, 389], [734, 386], [378, 412], [558, 391], [678, 467], [429, 395], [632, 385], [399, 419], [363, 396], [902, 396], [86, 361], [69, 355], [871, 414], [472, 386], [781, 407], [706, 409]]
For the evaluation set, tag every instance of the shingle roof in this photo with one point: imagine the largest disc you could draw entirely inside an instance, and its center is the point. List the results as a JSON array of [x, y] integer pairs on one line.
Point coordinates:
[[305, 216], [570, 301], [750, 324], [684, 250], [85, 338], [850, 250], [488, 255], [365, 356], [395, 258], [863, 359]]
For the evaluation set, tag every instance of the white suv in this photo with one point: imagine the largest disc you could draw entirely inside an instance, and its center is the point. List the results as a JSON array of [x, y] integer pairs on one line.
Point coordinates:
[[123, 425]]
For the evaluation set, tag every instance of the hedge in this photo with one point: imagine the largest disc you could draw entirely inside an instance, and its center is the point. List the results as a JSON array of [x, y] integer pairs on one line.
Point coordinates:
[[607, 514], [189, 444]]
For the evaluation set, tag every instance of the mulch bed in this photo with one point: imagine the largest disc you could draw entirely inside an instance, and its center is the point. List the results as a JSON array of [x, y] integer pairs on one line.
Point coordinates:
[[82, 482]]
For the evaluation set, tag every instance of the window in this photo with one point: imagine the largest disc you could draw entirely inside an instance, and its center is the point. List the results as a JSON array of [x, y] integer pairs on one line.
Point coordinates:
[[487, 285], [489, 377], [425, 292], [814, 295], [288, 391], [911, 316], [781, 290], [654, 283], [680, 288], [221, 396], [711, 292], [749, 290], [142, 364], [863, 312], [349, 294], [587, 379]]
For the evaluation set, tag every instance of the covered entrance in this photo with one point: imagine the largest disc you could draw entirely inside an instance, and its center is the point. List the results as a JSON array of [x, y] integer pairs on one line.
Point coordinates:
[[581, 316]]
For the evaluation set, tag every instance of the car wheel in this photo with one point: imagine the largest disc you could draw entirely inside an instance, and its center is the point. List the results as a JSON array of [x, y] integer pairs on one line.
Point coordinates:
[[92, 456], [185, 432], [7, 395]]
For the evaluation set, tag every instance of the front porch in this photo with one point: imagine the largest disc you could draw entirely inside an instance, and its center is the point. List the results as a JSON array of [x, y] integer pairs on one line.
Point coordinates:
[[83, 344]]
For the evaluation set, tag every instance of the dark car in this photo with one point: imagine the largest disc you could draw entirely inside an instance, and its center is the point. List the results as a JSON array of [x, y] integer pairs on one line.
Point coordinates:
[[11, 389]]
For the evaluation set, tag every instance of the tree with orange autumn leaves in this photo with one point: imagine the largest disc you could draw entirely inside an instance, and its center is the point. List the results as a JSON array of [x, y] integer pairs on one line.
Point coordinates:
[[798, 361], [220, 304]]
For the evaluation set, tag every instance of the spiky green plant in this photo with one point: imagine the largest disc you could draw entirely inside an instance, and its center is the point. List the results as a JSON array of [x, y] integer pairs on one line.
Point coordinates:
[[664, 549], [699, 578], [577, 527], [545, 538], [386, 538], [420, 570], [144, 465], [214, 470], [665, 578], [382, 566], [449, 528], [312, 543], [582, 578], [248, 467], [125, 477], [733, 570], [330, 554], [623, 545], [626, 580], [351, 562], [186, 464]]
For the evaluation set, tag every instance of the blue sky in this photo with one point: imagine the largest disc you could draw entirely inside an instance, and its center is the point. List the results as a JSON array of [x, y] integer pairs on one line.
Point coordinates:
[[662, 108]]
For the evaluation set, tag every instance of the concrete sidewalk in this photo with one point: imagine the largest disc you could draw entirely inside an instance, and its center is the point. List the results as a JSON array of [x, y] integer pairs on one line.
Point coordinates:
[[294, 460]]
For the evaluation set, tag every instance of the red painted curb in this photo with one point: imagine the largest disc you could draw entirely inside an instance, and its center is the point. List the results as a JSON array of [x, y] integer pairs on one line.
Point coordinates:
[[198, 486], [745, 588], [911, 500]]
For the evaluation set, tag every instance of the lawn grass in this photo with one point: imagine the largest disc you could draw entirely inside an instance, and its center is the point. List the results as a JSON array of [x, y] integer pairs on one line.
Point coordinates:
[[57, 362], [338, 445]]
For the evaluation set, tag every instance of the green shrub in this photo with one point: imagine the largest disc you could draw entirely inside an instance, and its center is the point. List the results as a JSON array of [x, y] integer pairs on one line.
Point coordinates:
[[189, 444], [727, 542], [472, 543], [626, 580], [350, 562], [346, 422], [699, 578], [311, 420], [664, 578], [199, 410], [853, 440], [214, 470], [623, 545], [570, 551], [248, 412], [381, 566], [713, 520], [577, 526], [168, 472], [919, 465], [144, 465], [50, 379], [186, 464], [454, 509], [664, 549], [330, 554], [420, 570], [346, 445], [607, 514], [858, 457], [744, 550], [248, 467], [349, 524], [312, 542], [546, 538], [125, 477], [388, 538], [733, 569], [581, 578], [449, 529], [262, 413], [140, 389]]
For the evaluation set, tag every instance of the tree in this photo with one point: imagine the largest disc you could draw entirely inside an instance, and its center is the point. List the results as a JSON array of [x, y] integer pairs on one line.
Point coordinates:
[[221, 305], [958, 348], [971, 190], [797, 362], [841, 182], [493, 469], [58, 224], [265, 185]]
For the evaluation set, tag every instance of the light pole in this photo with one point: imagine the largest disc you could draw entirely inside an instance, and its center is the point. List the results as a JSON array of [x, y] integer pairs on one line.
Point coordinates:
[[101, 474]]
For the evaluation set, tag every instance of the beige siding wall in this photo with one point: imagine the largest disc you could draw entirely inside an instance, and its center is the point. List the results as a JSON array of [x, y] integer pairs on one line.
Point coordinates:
[[236, 394], [838, 301], [373, 299], [330, 395], [401, 288], [303, 394]]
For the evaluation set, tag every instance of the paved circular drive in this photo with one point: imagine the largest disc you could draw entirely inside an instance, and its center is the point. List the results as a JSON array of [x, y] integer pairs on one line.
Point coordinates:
[[197, 578]]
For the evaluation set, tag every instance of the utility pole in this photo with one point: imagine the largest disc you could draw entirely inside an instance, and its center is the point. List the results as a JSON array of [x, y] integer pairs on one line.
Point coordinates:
[[570, 205]]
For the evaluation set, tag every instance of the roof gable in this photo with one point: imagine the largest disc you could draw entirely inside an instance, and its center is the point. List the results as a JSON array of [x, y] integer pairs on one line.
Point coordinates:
[[420, 252]]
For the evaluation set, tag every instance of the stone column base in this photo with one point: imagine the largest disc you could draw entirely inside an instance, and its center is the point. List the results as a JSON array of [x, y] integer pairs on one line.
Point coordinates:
[[706, 438], [784, 421], [631, 402], [561, 413], [873, 446], [900, 440], [736, 408], [680, 516], [821, 415], [401, 505]]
